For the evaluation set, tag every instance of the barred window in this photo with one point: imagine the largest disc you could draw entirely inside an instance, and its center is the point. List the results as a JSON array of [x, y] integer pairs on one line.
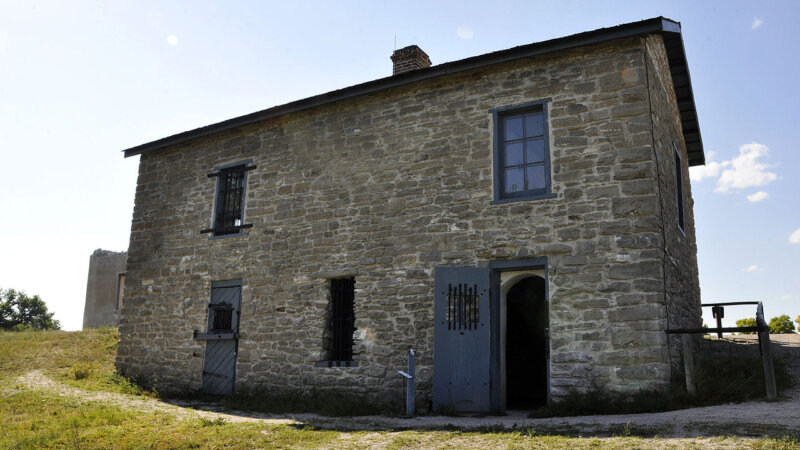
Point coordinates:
[[229, 209], [229, 205], [463, 307], [341, 320], [222, 320]]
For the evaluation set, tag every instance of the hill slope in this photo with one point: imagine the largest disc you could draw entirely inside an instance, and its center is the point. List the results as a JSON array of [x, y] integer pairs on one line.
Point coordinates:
[[58, 389]]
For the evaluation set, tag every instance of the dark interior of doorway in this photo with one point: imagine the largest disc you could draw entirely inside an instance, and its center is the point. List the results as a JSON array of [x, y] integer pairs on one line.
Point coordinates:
[[526, 344]]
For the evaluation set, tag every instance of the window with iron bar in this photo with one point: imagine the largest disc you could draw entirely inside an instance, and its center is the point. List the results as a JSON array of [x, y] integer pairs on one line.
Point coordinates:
[[223, 317], [463, 307], [341, 321], [229, 205]]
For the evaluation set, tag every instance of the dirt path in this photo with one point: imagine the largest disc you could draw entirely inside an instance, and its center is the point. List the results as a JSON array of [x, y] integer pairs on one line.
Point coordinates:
[[754, 418], [36, 380]]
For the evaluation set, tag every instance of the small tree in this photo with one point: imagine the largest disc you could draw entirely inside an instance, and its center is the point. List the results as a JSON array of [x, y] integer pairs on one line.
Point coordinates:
[[20, 312], [748, 322], [781, 324], [798, 322]]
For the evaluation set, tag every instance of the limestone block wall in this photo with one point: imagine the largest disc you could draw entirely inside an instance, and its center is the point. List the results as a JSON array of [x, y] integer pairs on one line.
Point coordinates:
[[103, 289], [386, 187], [682, 285]]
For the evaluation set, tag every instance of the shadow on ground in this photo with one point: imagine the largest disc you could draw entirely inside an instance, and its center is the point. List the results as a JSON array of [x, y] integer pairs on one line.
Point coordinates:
[[753, 418]]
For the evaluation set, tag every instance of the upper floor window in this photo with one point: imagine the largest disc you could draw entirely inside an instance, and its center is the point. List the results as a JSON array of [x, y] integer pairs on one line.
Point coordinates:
[[679, 186], [229, 204], [521, 153]]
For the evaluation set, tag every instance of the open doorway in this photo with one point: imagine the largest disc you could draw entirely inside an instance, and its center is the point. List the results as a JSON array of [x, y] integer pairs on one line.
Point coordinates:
[[526, 364]]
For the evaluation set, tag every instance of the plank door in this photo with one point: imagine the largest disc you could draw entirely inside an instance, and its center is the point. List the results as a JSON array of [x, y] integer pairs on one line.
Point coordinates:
[[222, 338], [461, 360]]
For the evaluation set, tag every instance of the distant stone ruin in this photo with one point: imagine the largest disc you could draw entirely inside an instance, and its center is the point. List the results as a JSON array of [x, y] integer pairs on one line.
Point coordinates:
[[104, 289]]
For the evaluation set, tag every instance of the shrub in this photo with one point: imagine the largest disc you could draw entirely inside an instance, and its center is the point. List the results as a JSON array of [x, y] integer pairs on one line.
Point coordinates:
[[781, 324], [206, 422], [748, 322], [81, 370]]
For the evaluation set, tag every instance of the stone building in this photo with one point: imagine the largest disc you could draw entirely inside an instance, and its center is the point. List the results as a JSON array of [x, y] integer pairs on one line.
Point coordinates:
[[522, 218], [105, 286]]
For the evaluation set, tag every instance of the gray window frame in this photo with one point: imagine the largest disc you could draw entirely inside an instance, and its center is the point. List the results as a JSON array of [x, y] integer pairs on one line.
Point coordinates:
[[498, 114]]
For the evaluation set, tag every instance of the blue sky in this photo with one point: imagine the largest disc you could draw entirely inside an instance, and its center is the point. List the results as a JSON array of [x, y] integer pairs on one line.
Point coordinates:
[[82, 80]]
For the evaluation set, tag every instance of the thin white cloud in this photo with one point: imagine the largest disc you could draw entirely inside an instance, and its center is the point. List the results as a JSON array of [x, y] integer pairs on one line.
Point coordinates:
[[465, 32], [794, 238], [758, 196], [786, 296], [172, 40], [745, 170], [710, 170], [753, 268], [756, 23]]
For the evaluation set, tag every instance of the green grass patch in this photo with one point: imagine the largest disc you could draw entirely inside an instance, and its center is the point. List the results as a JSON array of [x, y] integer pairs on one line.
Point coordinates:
[[35, 419], [39, 419], [84, 359], [57, 351]]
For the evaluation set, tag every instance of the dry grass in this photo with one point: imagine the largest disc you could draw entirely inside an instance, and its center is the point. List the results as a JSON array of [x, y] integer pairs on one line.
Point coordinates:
[[56, 351], [41, 419]]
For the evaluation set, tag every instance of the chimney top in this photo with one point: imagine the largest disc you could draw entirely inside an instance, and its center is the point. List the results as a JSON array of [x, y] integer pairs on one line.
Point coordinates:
[[409, 58]]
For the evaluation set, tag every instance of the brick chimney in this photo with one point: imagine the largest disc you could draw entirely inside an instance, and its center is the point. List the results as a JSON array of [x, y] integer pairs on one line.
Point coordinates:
[[409, 58]]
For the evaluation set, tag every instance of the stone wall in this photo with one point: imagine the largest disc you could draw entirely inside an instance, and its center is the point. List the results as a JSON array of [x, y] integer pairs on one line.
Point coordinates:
[[386, 187], [681, 282], [103, 288]]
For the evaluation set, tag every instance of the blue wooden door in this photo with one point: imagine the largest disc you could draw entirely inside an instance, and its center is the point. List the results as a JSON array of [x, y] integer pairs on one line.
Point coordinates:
[[219, 367], [462, 335]]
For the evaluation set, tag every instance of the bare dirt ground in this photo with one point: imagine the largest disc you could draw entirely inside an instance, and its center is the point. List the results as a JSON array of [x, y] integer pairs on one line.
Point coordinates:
[[753, 418]]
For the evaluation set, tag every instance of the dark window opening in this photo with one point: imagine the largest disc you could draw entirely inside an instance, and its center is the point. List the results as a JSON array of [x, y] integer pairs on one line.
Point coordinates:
[[522, 155], [463, 307], [341, 324], [679, 186], [222, 318]]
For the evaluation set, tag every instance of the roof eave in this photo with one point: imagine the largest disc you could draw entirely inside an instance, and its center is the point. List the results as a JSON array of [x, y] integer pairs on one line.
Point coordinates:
[[656, 25], [684, 96]]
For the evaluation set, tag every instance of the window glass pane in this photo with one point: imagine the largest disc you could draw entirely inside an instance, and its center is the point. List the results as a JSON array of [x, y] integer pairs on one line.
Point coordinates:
[[514, 154], [513, 128], [533, 125], [535, 177], [534, 151], [515, 180]]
